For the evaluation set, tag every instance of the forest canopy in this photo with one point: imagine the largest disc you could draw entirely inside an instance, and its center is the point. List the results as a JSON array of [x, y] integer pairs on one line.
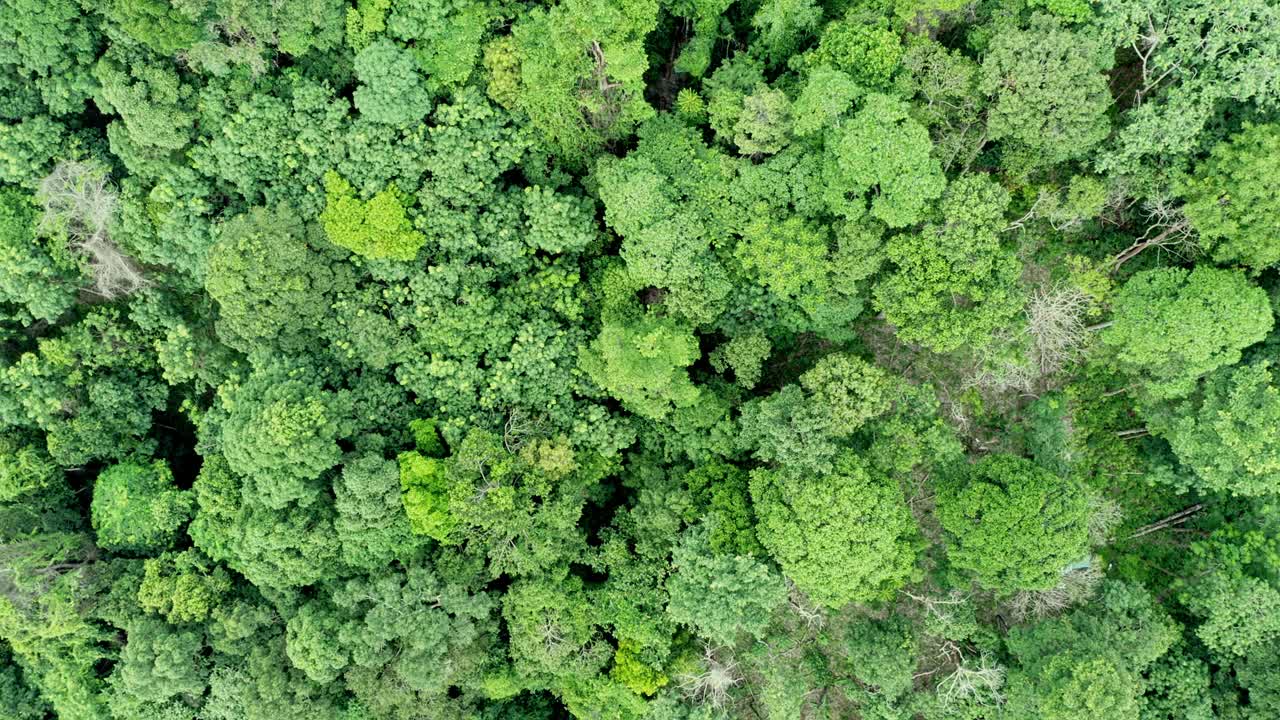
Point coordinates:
[[639, 360]]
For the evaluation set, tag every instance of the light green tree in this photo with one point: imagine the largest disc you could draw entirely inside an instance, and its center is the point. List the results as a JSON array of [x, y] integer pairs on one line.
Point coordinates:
[[1050, 90], [376, 228], [801, 427], [29, 275], [1171, 326], [1241, 615], [870, 52], [1089, 663], [765, 123], [151, 99], [1233, 198], [642, 363], [425, 494], [137, 509], [582, 66], [954, 284], [1227, 431], [1199, 56], [1012, 524], [884, 152], [183, 587], [842, 537]]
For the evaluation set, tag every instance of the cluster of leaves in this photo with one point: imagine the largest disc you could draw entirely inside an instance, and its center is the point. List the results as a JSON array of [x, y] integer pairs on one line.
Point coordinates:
[[639, 359]]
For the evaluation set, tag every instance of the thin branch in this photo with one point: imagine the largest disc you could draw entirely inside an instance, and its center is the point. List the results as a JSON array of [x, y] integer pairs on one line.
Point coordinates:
[[1177, 518], [1178, 232]]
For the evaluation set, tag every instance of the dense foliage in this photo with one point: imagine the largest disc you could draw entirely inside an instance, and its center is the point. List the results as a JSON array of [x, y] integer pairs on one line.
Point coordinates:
[[639, 359]]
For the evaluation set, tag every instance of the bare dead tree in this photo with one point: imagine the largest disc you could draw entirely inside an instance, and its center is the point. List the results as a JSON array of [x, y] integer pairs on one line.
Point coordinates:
[[80, 201], [1105, 515], [29, 566], [1055, 321], [519, 428], [713, 683], [811, 615], [1030, 214], [1073, 587], [77, 197], [979, 681]]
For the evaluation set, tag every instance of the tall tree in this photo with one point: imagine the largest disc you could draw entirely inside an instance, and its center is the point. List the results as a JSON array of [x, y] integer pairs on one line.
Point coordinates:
[[1232, 199], [1172, 326], [1014, 525], [843, 537]]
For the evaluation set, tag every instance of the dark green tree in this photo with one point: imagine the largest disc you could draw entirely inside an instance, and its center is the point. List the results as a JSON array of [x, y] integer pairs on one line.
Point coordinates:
[[269, 281], [392, 89], [721, 597]]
